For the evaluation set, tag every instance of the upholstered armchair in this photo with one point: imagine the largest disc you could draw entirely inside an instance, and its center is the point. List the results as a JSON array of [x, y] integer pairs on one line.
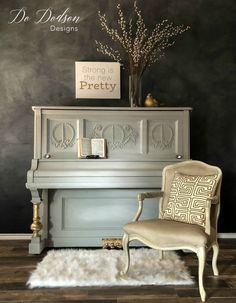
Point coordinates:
[[188, 213]]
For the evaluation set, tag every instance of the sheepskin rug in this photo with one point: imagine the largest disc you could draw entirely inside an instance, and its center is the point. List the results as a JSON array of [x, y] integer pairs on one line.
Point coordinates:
[[99, 267]]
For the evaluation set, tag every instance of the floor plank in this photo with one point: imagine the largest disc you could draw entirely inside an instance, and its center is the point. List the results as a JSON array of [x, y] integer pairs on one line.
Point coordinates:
[[16, 265]]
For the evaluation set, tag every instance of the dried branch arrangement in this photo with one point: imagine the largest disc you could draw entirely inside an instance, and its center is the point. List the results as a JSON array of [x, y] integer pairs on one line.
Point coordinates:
[[142, 48]]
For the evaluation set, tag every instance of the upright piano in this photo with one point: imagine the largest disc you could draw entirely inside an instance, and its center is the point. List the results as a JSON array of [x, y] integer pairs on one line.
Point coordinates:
[[79, 202]]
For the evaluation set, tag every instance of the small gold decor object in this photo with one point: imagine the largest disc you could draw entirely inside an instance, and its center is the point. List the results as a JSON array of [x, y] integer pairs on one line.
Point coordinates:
[[151, 102], [112, 243]]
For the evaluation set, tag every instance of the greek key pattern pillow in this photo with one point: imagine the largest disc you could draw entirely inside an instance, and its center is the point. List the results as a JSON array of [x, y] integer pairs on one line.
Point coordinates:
[[188, 198]]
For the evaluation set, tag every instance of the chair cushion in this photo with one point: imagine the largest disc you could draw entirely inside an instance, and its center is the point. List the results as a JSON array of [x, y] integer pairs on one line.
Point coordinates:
[[167, 234], [188, 198]]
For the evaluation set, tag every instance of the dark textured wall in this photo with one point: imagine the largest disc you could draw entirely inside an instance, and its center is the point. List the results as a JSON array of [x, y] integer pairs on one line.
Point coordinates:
[[37, 68]]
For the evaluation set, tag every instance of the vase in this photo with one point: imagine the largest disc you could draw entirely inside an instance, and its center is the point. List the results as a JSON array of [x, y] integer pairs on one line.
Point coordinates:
[[135, 90]]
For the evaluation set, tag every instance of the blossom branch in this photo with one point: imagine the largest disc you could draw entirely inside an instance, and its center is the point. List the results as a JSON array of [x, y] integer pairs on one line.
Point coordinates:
[[142, 49]]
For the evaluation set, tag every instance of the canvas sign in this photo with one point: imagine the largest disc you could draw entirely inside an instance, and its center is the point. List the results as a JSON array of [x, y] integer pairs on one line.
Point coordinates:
[[97, 80]]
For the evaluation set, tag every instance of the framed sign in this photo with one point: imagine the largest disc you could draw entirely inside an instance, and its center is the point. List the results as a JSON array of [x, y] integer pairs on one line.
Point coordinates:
[[97, 80]]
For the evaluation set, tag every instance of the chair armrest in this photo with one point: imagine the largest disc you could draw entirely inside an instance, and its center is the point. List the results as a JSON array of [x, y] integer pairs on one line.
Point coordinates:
[[141, 198], [147, 195], [214, 199]]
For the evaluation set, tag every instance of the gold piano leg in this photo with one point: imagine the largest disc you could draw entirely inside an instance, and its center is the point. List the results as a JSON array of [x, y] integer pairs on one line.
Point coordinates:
[[36, 226]]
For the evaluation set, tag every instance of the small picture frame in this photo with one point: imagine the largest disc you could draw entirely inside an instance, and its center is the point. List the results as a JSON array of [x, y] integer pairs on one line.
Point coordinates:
[[97, 80]]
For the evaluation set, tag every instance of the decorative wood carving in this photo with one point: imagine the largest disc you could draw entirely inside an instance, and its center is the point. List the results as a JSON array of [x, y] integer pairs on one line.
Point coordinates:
[[63, 135], [162, 136], [36, 226], [117, 135], [112, 243]]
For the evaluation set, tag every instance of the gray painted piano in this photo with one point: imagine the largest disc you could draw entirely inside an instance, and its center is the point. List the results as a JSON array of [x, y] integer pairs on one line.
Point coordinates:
[[78, 202]]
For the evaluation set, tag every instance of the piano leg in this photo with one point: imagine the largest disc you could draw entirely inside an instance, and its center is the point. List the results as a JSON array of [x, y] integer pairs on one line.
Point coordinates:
[[36, 226], [37, 244]]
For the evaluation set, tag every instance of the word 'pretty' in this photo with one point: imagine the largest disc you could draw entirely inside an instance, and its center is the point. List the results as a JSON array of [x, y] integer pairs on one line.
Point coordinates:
[[103, 86]]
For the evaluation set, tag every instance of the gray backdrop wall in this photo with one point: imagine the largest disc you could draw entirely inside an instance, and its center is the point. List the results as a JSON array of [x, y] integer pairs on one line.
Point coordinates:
[[37, 68]]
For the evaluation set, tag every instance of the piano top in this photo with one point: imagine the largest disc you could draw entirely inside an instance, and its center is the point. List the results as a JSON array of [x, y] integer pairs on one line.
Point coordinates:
[[111, 108]]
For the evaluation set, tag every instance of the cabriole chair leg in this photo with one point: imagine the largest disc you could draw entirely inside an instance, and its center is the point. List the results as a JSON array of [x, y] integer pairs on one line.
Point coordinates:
[[214, 259], [201, 254], [161, 254], [125, 243]]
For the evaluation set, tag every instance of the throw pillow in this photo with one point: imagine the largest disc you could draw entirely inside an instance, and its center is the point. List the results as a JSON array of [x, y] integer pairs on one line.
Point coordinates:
[[188, 198]]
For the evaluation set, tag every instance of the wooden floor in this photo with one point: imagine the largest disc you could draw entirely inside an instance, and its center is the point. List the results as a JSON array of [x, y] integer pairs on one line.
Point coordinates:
[[16, 264]]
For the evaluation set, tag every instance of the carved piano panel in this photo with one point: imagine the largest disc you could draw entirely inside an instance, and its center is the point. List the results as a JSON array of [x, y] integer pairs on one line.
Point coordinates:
[[165, 137], [123, 136], [141, 134], [69, 191]]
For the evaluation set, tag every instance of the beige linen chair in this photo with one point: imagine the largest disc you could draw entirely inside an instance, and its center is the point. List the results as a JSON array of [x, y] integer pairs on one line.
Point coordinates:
[[193, 230]]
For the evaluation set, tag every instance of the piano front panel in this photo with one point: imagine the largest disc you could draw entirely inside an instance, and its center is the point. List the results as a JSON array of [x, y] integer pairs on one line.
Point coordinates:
[[85, 217], [131, 135]]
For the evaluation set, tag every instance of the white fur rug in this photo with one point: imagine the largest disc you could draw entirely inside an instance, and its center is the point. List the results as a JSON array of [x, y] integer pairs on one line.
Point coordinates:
[[81, 267]]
